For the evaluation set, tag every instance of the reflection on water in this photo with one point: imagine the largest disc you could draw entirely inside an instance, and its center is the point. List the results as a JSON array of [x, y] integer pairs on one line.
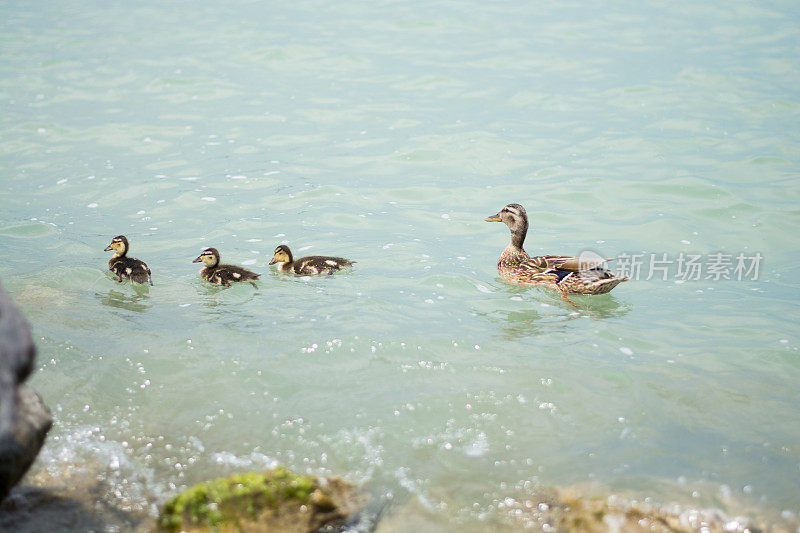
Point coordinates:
[[600, 306], [135, 301], [554, 312], [209, 289], [229, 306]]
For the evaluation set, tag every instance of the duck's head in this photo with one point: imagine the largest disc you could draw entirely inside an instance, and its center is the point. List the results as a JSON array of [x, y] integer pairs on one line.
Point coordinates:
[[209, 256], [119, 244], [282, 254], [515, 217]]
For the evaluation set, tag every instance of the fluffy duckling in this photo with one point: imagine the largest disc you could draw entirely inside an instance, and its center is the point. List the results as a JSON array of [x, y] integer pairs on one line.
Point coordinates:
[[223, 274], [313, 264], [576, 275], [125, 267]]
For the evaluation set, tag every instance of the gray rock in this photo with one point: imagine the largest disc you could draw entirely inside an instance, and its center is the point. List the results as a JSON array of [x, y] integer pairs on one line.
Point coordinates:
[[24, 419]]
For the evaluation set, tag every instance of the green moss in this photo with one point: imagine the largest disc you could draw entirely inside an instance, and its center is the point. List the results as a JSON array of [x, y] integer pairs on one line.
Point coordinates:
[[227, 500]]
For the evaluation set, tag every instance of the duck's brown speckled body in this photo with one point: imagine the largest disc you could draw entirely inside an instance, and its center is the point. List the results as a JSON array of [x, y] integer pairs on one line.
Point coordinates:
[[224, 275], [125, 267], [305, 266], [573, 275]]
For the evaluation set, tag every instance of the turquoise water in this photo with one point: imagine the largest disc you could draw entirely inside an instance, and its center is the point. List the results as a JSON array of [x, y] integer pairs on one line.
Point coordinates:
[[385, 133]]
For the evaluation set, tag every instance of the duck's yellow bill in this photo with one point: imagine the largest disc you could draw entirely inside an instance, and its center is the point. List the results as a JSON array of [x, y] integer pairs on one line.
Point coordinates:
[[493, 218]]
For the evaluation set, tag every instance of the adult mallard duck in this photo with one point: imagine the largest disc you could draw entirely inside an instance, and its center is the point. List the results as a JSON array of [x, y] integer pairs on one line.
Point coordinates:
[[313, 264], [574, 275], [223, 274], [125, 267]]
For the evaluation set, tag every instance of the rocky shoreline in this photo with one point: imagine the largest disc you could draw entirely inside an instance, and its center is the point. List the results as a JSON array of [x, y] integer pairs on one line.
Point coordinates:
[[76, 499], [24, 419]]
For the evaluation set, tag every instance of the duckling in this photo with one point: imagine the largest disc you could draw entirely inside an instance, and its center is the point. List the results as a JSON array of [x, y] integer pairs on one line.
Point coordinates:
[[126, 267], [313, 264], [576, 275], [223, 274]]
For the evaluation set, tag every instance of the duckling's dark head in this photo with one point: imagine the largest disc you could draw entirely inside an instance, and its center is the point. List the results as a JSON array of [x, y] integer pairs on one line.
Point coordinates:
[[515, 217], [119, 244], [209, 256], [282, 254]]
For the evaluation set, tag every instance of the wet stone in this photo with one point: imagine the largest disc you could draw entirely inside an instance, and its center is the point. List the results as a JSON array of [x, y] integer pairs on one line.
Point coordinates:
[[24, 419], [274, 500]]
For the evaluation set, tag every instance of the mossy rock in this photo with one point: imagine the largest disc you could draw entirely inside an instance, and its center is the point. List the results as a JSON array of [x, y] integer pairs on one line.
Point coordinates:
[[275, 500]]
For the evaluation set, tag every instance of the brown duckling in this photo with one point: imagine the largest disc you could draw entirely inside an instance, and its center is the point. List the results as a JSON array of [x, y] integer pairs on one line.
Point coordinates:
[[311, 265], [125, 267], [576, 275], [223, 274]]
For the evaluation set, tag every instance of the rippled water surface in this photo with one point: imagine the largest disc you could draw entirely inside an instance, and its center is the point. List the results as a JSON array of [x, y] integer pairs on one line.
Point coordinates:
[[385, 132]]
